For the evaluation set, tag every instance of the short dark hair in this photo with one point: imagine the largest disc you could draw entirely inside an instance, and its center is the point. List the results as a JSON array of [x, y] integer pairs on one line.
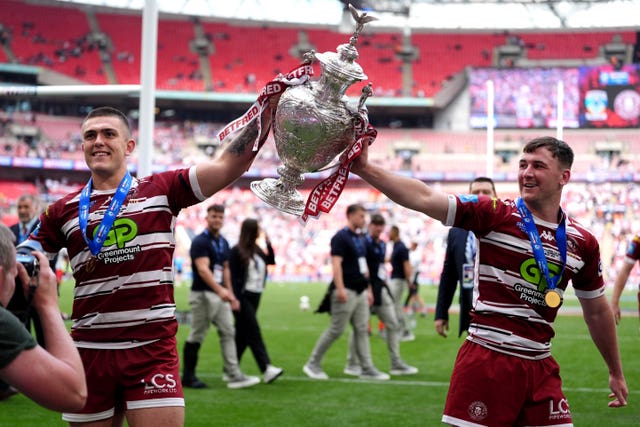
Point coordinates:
[[108, 112], [354, 208], [559, 149], [216, 207], [377, 219], [484, 179]]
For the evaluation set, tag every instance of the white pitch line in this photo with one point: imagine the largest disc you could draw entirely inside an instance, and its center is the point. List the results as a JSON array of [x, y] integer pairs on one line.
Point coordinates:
[[426, 383]]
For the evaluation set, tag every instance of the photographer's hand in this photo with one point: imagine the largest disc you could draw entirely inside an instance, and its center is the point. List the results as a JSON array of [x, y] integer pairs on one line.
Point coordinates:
[[56, 376], [46, 295]]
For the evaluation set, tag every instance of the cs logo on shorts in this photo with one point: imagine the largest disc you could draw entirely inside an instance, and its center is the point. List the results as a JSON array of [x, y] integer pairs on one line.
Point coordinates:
[[160, 382], [123, 230]]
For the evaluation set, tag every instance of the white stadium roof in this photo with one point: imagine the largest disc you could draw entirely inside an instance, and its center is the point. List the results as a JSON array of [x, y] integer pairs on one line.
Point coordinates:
[[415, 14]]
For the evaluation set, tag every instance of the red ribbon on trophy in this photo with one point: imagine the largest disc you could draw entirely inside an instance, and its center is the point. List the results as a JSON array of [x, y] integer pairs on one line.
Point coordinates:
[[271, 90], [325, 195]]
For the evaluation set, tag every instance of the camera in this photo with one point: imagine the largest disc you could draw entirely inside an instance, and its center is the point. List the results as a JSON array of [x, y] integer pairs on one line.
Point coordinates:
[[26, 258], [30, 262]]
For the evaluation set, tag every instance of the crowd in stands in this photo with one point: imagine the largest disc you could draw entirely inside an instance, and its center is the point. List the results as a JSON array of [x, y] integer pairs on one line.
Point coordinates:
[[27, 134], [608, 210], [203, 55]]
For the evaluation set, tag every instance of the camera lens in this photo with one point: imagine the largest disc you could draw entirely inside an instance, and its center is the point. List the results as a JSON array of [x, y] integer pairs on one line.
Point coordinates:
[[29, 262]]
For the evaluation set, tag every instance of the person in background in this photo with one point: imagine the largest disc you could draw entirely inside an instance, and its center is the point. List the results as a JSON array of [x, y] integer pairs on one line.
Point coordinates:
[[53, 378], [460, 268], [399, 283], [631, 257], [383, 305], [211, 300], [530, 250], [28, 207], [248, 266], [119, 232], [350, 296], [414, 302], [28, 210]]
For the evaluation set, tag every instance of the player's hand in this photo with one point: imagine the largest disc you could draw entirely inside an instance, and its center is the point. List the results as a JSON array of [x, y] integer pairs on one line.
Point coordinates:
[[442, 327], [619, 393], [616, 312]]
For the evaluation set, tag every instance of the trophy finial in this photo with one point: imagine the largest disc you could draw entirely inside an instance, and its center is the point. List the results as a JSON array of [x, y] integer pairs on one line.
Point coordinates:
[[360, 19]]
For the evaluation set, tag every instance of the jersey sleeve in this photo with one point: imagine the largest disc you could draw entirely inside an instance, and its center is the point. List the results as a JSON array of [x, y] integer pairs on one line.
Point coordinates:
[[633, 250], [479, 214], [588, 281]]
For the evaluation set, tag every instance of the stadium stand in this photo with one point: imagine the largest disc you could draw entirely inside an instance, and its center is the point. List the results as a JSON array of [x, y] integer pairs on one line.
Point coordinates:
[[232, 57]]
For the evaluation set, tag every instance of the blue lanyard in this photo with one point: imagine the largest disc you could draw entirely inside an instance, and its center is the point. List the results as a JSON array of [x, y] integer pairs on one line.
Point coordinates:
[[23, 232], [218, 247], [378, 247], [536, 244], [109, 216], [358, 243]]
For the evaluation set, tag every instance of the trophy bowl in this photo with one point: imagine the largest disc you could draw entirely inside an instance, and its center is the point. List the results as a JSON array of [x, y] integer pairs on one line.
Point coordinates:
[[314, 123]]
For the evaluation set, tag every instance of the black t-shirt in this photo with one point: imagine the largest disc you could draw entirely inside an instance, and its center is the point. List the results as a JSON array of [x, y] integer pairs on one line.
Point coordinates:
[[399, 255], [205, 245], [351, 247]]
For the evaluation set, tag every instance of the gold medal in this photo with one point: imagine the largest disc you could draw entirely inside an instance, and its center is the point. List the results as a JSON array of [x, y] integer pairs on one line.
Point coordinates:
[[552, 298], [90, 265]]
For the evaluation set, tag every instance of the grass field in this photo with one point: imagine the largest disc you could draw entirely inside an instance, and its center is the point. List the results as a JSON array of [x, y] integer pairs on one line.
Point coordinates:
[[295, 400]]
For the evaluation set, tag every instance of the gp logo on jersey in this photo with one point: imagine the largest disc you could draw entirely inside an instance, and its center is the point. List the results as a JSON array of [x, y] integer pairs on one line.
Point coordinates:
[[123, 230], [530, 272]]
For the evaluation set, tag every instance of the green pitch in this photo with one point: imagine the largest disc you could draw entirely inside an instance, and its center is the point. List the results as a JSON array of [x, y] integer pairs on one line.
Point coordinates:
[[295, 400]]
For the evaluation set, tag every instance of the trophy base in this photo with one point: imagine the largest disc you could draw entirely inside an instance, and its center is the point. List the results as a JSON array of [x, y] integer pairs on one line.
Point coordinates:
[[275, 193]]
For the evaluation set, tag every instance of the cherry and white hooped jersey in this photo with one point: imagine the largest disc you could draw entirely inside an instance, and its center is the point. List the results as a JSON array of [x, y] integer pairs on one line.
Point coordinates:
[[123, 296], [633, 250], [509, 311]]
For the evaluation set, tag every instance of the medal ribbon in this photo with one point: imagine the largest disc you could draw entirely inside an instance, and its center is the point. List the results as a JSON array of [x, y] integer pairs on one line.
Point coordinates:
[[326, 194], [536, 244], [276, 87], [109, 216]]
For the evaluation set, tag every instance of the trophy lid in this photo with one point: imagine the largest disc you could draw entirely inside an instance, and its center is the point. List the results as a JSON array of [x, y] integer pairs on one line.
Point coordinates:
[[342, 62]]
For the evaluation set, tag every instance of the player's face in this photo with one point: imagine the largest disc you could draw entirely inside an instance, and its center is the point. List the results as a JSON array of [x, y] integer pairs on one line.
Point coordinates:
[[482, 188], [106, 144], [215, 220], [26, 210], [540, 176]]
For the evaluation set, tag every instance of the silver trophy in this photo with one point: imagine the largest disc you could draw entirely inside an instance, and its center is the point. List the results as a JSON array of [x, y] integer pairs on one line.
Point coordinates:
[[315, 122]]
